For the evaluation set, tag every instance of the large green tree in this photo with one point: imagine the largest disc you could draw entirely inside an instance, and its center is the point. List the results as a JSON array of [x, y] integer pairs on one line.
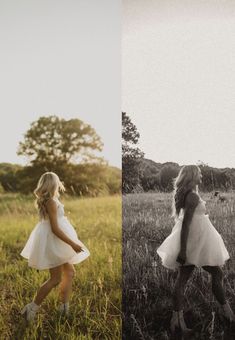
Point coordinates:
[[58, 141], [131, 154]]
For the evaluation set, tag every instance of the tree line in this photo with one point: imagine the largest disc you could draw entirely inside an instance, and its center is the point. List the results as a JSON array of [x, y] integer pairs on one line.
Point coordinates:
[[141, 174], [65, 147]]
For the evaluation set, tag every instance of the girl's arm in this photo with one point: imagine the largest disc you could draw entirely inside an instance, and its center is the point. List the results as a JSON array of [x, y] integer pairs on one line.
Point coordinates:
[[191, 202], [52, 213]]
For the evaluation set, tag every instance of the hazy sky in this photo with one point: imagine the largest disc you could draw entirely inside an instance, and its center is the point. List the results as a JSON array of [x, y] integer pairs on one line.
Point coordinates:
[[63, 58], [178, 78]]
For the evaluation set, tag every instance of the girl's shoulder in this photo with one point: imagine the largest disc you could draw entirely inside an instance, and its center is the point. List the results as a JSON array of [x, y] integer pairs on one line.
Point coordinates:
[[52, 201], [56, 199]]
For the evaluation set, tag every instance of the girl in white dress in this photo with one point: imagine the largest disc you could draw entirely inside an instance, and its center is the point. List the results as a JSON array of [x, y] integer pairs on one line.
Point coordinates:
[[53, 244], [193, 242]]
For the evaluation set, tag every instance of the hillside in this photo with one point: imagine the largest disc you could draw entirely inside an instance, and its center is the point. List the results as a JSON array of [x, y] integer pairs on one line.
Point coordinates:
[[158, 176]]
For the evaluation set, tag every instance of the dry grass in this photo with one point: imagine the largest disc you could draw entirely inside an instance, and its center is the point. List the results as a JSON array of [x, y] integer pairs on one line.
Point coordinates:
[[96, 298], [147, 285]]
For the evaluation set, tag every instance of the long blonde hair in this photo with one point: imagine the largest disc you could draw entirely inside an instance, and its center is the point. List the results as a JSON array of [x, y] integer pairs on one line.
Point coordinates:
[[183, 183], [48, 186]]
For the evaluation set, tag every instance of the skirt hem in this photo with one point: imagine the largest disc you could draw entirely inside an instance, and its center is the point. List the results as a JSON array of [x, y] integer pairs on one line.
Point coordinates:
[[198, 265], [56, 265]]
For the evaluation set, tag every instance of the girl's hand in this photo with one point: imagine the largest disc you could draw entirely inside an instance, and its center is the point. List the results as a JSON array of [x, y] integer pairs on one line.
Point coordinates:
[[77, 248], [181, 258]]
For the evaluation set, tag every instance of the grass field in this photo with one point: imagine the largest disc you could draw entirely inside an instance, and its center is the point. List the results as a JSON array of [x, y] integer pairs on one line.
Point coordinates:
[[147, 285], [96, 298]]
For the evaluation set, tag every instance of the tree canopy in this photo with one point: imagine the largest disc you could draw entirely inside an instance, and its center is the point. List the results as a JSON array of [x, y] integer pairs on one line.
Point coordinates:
[[67, 148], [130, 137], [131, 155], [53, 139]]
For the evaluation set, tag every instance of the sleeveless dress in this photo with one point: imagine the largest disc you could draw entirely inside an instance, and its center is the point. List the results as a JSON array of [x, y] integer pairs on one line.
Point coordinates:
[[45, 250], [205, 246]]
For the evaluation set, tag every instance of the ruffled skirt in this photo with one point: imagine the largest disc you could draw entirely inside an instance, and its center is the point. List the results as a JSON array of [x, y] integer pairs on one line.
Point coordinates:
[[205, 246], [45, 250]]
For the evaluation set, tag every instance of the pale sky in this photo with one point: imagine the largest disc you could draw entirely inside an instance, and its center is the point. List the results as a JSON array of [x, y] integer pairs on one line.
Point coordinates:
[[63, 58], [178, 78]]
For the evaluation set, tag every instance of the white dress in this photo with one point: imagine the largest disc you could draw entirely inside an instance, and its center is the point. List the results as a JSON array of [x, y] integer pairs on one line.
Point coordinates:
[[204, 244], [45, 250]]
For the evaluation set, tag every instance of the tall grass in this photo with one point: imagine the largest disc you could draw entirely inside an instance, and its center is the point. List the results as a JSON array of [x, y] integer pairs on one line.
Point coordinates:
[[147, 285], [96, 297]]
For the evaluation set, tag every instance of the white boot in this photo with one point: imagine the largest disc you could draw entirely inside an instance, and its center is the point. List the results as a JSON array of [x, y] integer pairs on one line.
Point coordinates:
[[64, 308], [30, 310], [177, 322]]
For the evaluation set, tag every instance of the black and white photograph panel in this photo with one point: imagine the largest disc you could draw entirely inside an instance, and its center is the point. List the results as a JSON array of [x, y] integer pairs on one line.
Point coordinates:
[[178, 169]]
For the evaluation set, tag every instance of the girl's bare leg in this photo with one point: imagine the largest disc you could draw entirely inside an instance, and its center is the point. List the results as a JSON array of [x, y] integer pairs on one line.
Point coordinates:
[[184, 274], [47, 286], [218, 291], [217, 283], [66, 283]]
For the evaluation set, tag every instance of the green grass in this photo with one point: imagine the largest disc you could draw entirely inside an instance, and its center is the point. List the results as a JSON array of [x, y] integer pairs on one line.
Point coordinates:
[[95, 302], [147, 285]]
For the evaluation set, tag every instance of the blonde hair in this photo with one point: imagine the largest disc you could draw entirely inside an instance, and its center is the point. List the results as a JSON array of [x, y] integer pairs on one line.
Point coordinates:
[[183, 183], [48, 187]]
